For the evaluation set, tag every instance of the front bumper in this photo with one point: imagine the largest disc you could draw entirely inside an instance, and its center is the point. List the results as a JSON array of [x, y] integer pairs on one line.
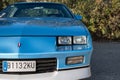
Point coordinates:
[[60, 56], [73, 74], [62, 72]]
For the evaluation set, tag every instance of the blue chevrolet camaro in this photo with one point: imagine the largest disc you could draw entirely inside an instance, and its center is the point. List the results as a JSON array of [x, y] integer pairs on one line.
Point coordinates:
[[46, 41]]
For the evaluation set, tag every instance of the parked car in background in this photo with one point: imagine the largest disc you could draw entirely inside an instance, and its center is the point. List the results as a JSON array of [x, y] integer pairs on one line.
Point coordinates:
[[45, 40]]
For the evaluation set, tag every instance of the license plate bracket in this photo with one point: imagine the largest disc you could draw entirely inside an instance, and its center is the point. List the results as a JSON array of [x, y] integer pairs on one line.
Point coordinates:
[[19, 66]]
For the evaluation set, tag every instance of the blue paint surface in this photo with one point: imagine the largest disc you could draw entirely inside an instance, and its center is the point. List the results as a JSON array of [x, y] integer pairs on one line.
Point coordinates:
[[4, 66], [38, 39]]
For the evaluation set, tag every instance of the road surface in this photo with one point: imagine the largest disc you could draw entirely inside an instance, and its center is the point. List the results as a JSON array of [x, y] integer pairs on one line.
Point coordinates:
[[106, 61]]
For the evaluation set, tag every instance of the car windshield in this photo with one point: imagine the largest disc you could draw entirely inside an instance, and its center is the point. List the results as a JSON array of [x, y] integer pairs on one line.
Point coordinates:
[[36, 10]]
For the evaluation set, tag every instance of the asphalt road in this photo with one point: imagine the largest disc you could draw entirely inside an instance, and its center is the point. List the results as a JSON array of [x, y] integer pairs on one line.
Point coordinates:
[[106, 61]]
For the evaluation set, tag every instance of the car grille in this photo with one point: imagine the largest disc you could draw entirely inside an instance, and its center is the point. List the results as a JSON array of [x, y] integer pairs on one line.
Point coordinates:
[[42, 65]]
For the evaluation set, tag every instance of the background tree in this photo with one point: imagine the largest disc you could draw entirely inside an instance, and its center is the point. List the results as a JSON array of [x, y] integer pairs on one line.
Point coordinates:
[[1, 4]]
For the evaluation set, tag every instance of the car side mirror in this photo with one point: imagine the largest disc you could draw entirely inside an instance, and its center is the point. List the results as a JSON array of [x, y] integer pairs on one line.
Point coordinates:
[[78, 17]]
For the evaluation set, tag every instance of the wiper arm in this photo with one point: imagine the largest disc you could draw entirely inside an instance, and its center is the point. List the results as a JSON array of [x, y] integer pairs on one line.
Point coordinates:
[[2, 15]]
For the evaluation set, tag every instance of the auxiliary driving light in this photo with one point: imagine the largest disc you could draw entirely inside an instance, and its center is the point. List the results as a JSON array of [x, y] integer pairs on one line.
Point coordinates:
[[75, 60]]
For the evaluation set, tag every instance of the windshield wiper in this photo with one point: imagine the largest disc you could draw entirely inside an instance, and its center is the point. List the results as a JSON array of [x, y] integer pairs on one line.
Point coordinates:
[[2, 15]]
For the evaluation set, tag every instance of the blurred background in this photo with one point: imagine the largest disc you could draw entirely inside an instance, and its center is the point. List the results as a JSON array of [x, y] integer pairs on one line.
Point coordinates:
[[102, 17]]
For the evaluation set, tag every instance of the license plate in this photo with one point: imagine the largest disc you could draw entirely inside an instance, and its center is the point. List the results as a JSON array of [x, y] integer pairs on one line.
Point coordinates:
[[19, 66]]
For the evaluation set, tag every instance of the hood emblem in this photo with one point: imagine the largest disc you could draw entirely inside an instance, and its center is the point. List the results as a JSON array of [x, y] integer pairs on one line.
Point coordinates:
[[19, 44]]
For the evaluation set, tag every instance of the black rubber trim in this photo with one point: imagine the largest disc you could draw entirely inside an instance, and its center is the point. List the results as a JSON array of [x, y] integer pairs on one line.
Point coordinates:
[[73, 68]]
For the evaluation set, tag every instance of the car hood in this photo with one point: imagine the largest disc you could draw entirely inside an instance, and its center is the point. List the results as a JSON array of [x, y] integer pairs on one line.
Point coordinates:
[[41, 26]]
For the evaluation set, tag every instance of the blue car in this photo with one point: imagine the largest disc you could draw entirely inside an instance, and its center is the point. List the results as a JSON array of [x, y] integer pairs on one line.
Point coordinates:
[[43, 41]]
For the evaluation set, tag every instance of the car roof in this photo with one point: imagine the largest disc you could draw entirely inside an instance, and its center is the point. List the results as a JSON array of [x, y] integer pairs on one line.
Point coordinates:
[[39, 3]]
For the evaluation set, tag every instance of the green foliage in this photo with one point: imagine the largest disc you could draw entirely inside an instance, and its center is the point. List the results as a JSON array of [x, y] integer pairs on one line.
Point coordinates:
[[102, 17]]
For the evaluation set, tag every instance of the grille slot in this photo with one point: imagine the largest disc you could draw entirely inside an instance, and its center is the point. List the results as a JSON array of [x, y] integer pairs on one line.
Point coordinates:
[[42, 65], [46, 65], [0, 64]]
